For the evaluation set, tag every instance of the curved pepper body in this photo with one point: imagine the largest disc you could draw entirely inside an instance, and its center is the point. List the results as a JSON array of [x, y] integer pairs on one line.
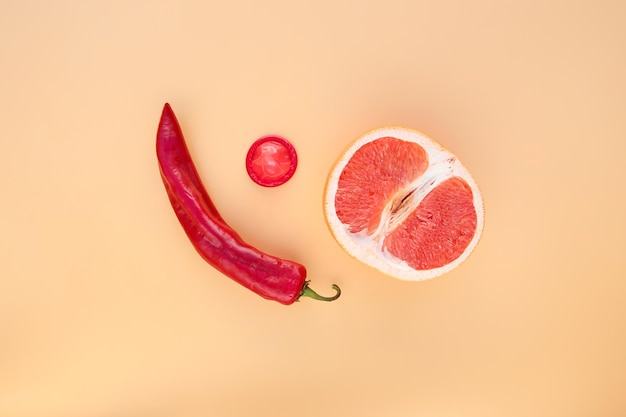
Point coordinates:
[[217, 243]]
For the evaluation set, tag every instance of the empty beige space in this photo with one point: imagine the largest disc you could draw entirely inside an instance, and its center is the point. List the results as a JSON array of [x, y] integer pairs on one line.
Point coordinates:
[[107, 310]]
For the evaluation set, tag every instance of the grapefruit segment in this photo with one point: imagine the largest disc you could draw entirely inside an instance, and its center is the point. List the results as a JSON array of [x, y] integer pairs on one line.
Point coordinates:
[[375, 173], [399, 202], [439, 230]]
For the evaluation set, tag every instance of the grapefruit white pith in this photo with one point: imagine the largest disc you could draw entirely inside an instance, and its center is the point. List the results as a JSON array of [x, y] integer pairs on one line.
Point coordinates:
[[401, 203]]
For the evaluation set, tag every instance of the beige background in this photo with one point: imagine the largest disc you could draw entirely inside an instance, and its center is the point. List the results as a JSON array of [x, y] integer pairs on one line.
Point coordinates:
[[106, 309]]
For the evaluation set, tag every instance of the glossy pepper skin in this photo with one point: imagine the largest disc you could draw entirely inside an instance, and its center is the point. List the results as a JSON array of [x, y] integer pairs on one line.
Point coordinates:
[[217, 243]]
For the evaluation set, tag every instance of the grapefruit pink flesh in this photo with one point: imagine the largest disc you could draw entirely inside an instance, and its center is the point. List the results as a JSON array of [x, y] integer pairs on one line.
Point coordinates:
[[439, 230], [376, 197], [372, 176]]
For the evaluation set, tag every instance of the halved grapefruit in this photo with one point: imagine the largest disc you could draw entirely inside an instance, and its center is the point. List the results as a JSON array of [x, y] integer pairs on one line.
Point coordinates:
[[401, 203]]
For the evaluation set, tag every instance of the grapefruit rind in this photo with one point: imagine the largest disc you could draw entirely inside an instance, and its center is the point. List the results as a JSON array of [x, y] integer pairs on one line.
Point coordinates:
[[370, 251]]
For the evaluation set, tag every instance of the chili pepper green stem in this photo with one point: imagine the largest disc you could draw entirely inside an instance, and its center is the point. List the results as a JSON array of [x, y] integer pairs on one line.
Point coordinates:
[[308, 292]]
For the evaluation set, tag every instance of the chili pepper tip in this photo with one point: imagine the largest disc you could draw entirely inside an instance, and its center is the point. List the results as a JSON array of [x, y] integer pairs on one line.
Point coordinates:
[[308, 292]]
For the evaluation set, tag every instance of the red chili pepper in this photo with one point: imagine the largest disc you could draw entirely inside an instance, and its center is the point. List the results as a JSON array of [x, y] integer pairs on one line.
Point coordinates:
[[268, 276]]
